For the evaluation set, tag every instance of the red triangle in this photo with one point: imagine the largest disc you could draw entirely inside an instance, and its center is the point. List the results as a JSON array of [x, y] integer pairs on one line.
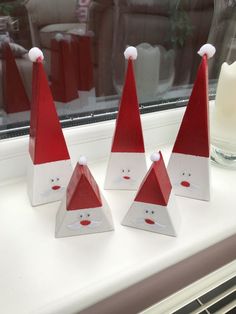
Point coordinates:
[[128, 136], [82, 191], [156, 186], [63, 76], [193, 135], [14, 94], [47, 141]]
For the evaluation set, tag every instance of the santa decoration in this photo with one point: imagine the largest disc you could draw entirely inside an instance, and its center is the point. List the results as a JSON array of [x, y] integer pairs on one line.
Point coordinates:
[[189, 162], [154, 208], [15, 98], [49, 167], [127, 164], [63, 74], [83, 209]]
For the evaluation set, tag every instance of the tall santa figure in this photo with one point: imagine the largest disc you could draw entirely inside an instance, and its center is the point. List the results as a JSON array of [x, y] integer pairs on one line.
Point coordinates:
[[49, 165], [127, 164], [189, 162]]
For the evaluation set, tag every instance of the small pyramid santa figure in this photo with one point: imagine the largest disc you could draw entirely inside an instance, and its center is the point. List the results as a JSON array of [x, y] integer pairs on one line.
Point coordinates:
[[154, 208], [188, 166], [49, 166], [127, 164], [83, 210]]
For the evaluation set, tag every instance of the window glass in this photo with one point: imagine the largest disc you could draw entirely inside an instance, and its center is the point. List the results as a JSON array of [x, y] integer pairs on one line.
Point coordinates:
[[83, 43]]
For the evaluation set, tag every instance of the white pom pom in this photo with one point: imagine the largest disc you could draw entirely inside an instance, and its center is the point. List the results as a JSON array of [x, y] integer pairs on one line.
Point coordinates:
[[207, 49], [58, 36], [35, 54], [131, 53], [155, 157], [83, 161]]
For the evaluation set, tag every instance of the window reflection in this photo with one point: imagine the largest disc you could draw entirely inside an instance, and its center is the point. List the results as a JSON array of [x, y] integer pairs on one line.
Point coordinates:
[[83, 43]]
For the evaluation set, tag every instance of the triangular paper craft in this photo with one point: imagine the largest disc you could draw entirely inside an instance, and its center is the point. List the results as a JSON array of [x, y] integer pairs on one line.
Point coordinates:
[[154, 208], [189, 162], [83, 191], [83, 210], [15, 98], [127, 163], [49, 166]]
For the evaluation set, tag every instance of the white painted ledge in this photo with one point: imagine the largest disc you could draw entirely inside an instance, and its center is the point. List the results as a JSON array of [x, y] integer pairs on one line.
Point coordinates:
[[41, 274]]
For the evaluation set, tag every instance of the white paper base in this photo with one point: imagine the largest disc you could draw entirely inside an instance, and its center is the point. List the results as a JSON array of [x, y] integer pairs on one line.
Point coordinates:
[[166, 219], [192, 169], [43, 178], [68, 222], [121, 165]]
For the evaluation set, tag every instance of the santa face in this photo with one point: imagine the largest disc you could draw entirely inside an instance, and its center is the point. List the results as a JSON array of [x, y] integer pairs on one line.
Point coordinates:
[[83, 221], [150, 217], [125, 171], [86, 219], [190, 176], [47, 182]]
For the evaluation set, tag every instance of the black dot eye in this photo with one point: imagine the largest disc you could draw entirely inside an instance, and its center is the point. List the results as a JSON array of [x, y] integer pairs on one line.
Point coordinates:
[[189, 174], [81, 216], [152, 212], [146, 211], [183, 173], [128, 170], [57, 179], [88, 215], [123, 170], [52, 180]]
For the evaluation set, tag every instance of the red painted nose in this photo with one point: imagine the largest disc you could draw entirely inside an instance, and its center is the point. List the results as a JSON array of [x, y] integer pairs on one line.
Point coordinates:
[[56, 187], [149, 221], [126, 177], [185, 184], [85, 222]]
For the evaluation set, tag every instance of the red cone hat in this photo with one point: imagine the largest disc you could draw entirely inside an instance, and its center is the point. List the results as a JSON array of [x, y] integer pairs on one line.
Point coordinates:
[[128, 136], [14, 94], [193, 135], [82, 191], [47, 143], [156, 186]]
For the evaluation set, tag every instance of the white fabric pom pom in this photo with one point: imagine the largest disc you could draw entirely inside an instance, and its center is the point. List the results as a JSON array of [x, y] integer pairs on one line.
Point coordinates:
[[131, 53], [155, 157], [58, 36], [207, 49], [83, 161], [35, 54]]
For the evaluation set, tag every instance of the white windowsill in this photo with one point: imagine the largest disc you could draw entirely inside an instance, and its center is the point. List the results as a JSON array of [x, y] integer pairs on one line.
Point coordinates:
[[41, 274]]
